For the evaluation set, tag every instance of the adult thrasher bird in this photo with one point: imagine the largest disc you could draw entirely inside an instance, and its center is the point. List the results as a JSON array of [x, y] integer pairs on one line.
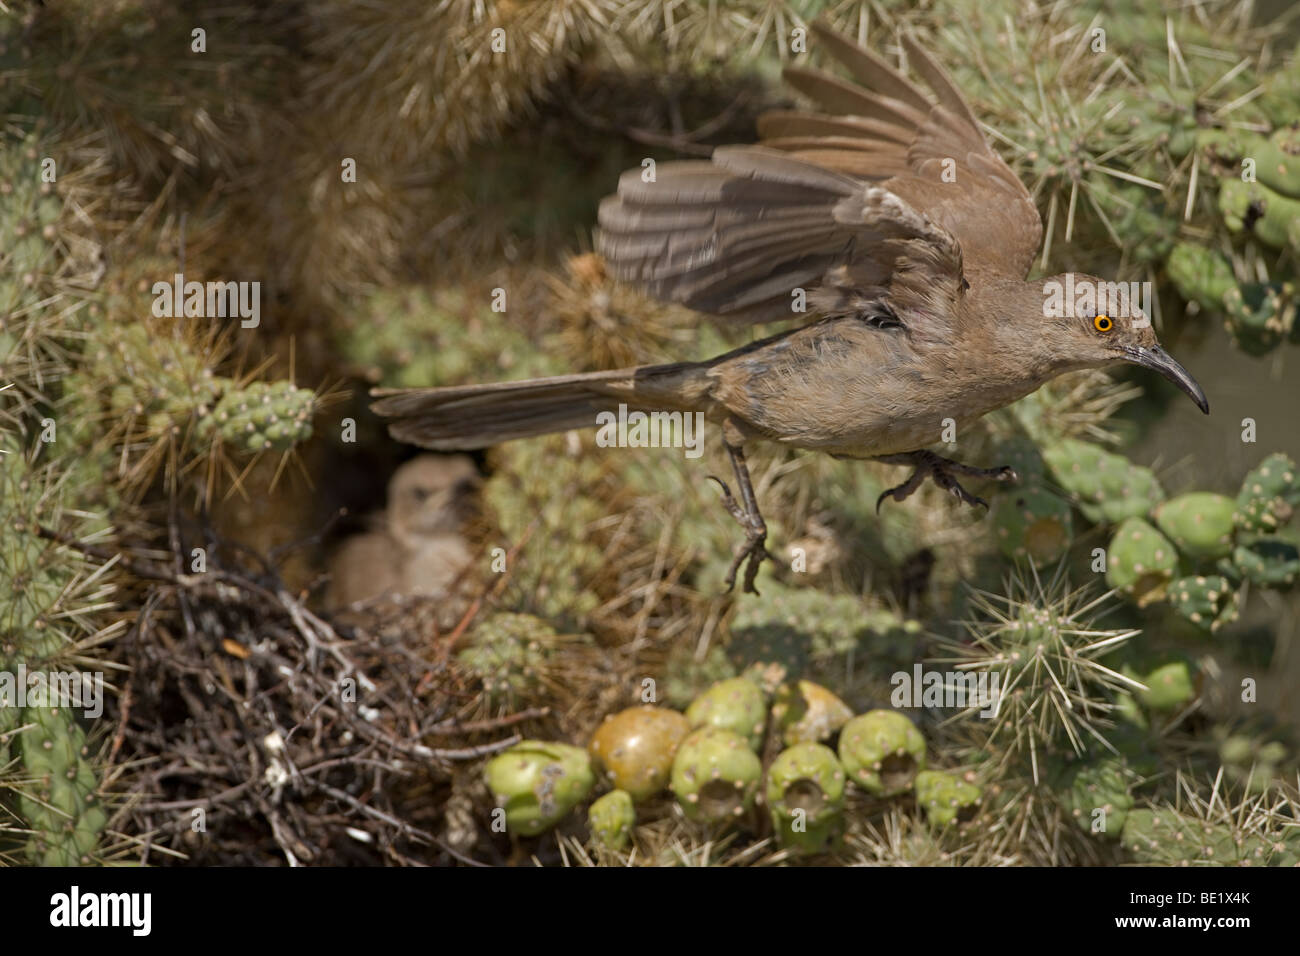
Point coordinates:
[[909, 239]]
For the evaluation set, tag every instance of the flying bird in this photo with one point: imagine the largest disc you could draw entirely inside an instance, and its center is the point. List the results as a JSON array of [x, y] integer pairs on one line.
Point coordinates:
[[904, 238]]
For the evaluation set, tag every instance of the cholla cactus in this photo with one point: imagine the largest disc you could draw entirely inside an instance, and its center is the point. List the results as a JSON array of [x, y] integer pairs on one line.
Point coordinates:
[[1054, 696]]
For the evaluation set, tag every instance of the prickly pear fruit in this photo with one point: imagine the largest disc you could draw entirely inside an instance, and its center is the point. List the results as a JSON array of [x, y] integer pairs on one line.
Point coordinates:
[[1200, 275], [715, 775], [737, 705], [805, 796], [946, 797], [882, 752], [611, 819], [1097, 796], [1209, 601], [1032, 523], [808, 712], [1199, 523], [1269, 495], [537, 783], [1107, 487], [635, 747], [1141, 561]]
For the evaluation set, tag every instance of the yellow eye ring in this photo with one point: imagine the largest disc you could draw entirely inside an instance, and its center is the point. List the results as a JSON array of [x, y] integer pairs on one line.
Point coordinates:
[[1103, 323]]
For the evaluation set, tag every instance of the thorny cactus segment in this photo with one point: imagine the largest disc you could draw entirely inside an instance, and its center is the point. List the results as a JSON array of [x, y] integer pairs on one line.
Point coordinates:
[[61, 803], [1054, 695], [1200, 524], [1208, 601], [1107, 487], [1269, 495], [263, 416], [1098, 796]]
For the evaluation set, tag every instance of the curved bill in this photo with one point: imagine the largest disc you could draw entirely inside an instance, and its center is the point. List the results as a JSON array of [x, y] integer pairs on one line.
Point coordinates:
[[1158, 360]]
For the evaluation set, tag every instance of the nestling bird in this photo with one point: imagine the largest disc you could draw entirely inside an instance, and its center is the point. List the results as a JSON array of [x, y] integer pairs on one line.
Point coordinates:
[[908, 238], [418, 549]]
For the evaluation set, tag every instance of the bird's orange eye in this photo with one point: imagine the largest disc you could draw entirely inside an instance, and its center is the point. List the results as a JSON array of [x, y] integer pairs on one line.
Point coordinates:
[[1103, 323]]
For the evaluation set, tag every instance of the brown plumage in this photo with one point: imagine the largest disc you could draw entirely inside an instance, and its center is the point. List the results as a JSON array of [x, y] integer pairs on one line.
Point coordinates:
[[906, 239]]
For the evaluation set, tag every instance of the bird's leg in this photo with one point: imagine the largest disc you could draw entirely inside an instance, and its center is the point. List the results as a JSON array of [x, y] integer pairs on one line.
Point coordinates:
[[754, 550], [944, 472]]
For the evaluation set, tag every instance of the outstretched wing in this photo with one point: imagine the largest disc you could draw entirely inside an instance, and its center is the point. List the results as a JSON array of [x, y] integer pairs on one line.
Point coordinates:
[[851, 205], [740, 234], [931, 154]]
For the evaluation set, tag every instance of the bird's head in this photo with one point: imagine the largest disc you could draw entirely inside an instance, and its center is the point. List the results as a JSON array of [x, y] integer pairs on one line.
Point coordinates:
[[1104, 323], [430, 494]]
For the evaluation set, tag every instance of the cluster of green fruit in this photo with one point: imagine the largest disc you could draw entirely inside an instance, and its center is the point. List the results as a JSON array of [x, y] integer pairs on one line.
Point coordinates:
[[709, 757], [1193, 551]]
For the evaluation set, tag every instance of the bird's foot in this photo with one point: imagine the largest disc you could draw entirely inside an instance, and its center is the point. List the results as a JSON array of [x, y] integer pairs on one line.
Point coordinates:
[[754, 549], [944, 472]]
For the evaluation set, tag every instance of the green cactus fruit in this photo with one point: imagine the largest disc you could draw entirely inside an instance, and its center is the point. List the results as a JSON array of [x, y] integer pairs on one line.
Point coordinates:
[[737, 705], [1269, 495], [1199, 523], [1277, 161], [263, 416], [1208, 601], [1267, 562], [715, 775], [1141, 561], [636, 746], [946, 798], [611, 819], [537, 783], [807, 712], [1098, 797], [60, 805], [882, 752], [1170, 687], [1259, 315], [1254, 208], [805, 796], [1032, 523], [1200, 275], [1106, 487]]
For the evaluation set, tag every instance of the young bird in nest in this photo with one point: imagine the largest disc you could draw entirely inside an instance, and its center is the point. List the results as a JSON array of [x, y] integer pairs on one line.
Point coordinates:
[[417, 548], [909, 238]]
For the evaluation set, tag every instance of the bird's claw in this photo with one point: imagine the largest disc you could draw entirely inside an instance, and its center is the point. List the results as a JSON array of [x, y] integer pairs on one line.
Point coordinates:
[[943, 471], [752, 553], [730, 503]]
